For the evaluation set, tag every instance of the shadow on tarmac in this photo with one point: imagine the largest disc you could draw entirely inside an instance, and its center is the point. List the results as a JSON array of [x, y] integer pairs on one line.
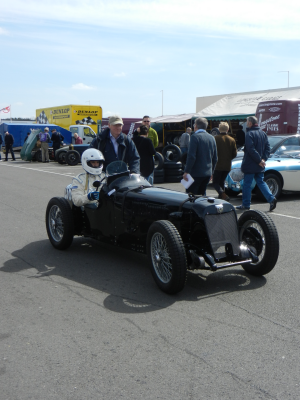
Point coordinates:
[[122, 274]]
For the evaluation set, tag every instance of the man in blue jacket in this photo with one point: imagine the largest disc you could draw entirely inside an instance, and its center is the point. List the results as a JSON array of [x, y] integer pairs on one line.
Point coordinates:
[[115, 145], [201, 158], [256, 153]]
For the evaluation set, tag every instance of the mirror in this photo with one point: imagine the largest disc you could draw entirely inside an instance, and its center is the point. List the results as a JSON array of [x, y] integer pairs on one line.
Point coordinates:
[[96, 184]]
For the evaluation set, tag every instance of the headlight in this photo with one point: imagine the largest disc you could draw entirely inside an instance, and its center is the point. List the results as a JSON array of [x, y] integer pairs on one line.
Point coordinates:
[[236, 174]]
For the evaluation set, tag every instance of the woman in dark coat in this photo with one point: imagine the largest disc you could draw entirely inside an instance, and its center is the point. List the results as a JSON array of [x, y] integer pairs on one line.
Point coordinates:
[[146, 151]]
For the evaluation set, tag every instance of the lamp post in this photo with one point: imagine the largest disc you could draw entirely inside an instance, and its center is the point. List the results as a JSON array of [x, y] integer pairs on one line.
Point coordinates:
[[162, 102], [288, 77]]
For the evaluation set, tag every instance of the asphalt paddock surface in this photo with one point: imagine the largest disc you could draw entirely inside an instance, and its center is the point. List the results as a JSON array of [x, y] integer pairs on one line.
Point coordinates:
[[90, 323]]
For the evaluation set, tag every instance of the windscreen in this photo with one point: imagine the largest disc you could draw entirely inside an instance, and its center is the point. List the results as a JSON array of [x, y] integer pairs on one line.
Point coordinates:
[[273, 140], [129, 182], [288, 151], [115, 168]]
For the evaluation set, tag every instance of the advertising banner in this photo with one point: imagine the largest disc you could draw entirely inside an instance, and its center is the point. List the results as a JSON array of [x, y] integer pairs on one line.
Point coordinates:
[[65, 116]]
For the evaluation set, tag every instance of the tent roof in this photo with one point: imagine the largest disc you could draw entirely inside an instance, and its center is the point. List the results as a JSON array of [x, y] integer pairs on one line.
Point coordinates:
[[238, 106], [173, 118], [243, 105]]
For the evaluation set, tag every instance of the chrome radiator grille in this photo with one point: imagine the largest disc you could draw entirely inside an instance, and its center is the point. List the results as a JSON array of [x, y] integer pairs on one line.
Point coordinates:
[[222, 229]]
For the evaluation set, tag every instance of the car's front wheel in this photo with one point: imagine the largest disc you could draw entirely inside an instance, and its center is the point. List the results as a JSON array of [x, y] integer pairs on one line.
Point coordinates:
[[274, 183], [72, 157], [167, 256], [258, 231], [59, 223]]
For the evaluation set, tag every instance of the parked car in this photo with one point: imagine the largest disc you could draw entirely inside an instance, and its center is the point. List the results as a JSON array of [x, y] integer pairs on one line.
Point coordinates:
[[282, 171], [178, 232], [275, 142]]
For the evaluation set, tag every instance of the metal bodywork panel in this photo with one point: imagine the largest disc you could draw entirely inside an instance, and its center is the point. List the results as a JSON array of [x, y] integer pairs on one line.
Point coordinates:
[[206, 225]]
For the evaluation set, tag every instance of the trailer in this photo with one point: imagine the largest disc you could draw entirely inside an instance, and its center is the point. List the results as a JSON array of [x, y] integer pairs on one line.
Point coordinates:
[[280, 117]]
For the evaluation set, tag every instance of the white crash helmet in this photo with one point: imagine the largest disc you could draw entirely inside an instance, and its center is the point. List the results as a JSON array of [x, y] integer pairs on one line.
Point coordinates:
[[92, 155]]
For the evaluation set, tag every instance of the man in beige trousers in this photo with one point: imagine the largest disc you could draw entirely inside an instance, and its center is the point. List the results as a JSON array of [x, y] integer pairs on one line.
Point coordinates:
[[45, 139]]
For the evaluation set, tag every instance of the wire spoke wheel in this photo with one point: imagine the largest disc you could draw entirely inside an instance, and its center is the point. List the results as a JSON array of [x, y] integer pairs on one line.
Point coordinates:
[[253, 236], [160, 258], [56, 225], [258, 232], [274, 183], [167, 257], [273, 186], [59, 223]]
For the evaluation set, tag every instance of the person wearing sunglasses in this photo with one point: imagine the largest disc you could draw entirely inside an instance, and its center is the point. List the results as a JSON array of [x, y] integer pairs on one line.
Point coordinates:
[[152, 134]]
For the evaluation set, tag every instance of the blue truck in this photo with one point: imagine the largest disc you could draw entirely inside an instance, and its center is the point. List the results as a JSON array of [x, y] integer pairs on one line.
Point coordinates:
[[19, 132]]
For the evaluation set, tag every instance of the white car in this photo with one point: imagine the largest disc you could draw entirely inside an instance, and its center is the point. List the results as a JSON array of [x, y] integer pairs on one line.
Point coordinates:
[[282, 172]]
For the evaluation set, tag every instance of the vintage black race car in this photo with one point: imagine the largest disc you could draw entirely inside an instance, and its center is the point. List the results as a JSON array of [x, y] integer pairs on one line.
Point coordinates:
[[178, 232]]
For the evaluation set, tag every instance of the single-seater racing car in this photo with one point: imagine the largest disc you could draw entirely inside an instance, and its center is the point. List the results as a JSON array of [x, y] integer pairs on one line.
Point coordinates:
[[177, 231]]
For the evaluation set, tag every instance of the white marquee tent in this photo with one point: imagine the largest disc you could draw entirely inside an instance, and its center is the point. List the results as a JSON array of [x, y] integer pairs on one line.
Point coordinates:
[[243, 105]]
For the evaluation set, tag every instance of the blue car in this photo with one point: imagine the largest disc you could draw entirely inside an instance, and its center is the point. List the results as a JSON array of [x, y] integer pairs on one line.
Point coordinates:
[[282, 171]]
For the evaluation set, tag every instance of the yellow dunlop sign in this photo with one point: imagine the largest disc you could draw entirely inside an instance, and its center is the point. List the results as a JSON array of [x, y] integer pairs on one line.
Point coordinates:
[[65, 116]]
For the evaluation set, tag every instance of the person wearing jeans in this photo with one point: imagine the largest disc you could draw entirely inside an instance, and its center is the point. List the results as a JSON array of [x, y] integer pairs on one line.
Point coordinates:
[[264, 188], [256, 153]]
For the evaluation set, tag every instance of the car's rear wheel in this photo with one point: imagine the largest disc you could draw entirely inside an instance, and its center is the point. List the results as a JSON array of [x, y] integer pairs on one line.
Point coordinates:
[[258, 231], [72, 157], [167, 256], [274, 183], [59, 223]]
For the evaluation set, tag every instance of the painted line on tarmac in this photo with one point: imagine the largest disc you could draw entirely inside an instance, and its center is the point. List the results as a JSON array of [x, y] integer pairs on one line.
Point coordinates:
[[68, 175], [283, 215], [34, 169]]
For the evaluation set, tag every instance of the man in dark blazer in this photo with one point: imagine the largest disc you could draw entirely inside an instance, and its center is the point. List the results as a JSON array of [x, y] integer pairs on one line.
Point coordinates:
[[9, 141]]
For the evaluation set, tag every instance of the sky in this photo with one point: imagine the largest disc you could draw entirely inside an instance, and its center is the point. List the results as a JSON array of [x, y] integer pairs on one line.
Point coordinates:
[[143, 57]]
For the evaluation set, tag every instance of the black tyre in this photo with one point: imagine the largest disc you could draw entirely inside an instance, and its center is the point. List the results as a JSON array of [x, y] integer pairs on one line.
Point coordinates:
[[231, 193], [274, 183], [169, 156], [173, 172], [171, 153], [59, 223], [172, 165], [159, 179], [159, 173], [167, 256], [158, 161], [61, 157], [38, 155], [72, 157], [173, 179], [258, 231], [183, 160]]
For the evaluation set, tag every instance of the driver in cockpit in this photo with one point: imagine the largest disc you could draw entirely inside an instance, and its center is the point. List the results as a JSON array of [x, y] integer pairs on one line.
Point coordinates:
[[83, 191]]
